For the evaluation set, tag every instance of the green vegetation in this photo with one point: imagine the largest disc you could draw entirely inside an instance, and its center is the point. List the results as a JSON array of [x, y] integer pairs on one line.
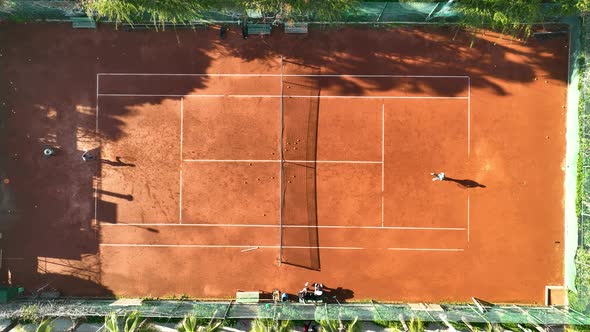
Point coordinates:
[[393, 325], [270, 325], [581, 302], [44, 326], [581, 299], [158, 12], [29, 314], [482, 327], [183, 11], [514, 17], [577, 328], [190, 323], [133, 323], [416, 325], [339, 325]]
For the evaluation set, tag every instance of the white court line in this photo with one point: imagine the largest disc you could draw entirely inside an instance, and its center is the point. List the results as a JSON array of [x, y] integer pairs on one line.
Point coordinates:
[[97, 94], [468, 117], [219, 246], [468, 147], [284, 75], [468, 203], [281, 170], [97, 178], [279, 161], [425, 249], [180, 200], [292, 226], [180, 166], [382, 161], [181, 126], [275, 96]]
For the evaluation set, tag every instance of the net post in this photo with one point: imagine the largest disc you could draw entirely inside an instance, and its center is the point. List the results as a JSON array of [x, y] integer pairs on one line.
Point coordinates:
[[281, 175]]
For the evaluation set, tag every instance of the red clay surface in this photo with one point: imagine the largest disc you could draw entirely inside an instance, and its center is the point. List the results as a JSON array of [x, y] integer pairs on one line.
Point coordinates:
[[187, 174]]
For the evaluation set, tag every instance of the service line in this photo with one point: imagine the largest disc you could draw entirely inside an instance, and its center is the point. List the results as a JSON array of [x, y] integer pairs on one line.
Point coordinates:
[[180, 166], [287, 226], [273, 96], [382, 163], [284, 75], [279, 161], [425, 249], [219, 246]]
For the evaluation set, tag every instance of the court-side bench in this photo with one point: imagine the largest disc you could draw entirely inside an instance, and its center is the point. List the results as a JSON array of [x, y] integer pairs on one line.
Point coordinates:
[[247, 297], [296, 27], [259, 29], [83, 23]]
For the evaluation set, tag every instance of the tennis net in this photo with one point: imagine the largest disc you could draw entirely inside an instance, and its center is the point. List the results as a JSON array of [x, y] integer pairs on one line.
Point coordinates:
[[299, 119]]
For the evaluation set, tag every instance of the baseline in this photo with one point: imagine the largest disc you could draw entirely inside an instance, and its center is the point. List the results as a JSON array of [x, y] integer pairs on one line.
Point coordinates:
[[252, 247], [220, 246], [285, 75], [265, 84], [273, 96], [279, 161]]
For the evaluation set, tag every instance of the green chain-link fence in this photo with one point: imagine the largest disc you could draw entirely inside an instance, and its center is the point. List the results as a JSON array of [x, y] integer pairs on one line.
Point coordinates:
[[580, 296], [381, 312], [23, 10]]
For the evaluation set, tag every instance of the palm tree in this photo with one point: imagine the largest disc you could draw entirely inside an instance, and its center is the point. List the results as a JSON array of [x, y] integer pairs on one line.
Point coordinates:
[[133, 323], [45, 326], [271, 325], [330, 325], [189, 324], [416, 325]]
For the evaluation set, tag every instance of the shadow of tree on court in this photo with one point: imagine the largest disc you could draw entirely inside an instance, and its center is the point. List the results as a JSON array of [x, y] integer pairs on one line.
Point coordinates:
[[68, 277], [411, 51], [49, 99]]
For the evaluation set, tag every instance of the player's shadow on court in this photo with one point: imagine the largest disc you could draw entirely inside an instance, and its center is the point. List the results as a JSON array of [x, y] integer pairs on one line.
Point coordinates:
[[465, 183], [110, 193], [339, 293], [116, 163]]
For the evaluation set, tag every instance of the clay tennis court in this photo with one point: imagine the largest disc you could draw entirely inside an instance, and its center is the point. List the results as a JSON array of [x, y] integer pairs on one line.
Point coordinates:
[[265, 163]]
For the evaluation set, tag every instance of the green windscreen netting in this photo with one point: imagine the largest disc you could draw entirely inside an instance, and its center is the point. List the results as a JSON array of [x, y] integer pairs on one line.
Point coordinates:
[[400, 12], [23, 10], [373, 311]]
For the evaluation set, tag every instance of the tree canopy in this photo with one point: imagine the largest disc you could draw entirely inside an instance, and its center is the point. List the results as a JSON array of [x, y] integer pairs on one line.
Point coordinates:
[[131, 11], [179, 11], [516, 16]]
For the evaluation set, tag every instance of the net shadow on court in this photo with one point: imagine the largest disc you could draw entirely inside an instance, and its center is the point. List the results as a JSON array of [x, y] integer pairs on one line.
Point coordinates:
[[299, 231]]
